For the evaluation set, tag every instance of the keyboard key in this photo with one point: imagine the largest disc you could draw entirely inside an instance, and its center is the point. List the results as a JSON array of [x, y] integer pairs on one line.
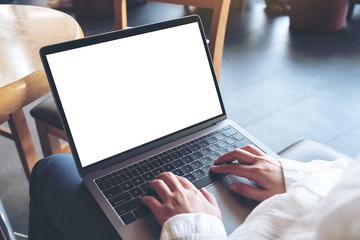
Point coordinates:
[[227, 127], [197, 155], [230, 132], [119, 199], [203, 143], [104, 185], [212, 140], [126, 186], [112, 192], [194, 147], [126, 176], [196, 164], [103, 178], [231, 147], [220, 136], [206, 169], [138, 164], [128, 168], [222, 151], [242, 143], [214, 147], [188, 159], [206, 161], [214, 156], [185, 151], [176, 155], [128, 218], [231, 140], [148, 176], [135, 192], [178, 163], [238, 136], [168, 167], [141, 212], [137, 181], [178, 172], [167, 159], [145, 188], [157, 163], [205, 151], [158, 171], [223, 143], [199, 173], [147, 167], [115, 180], [137, 171], [128, 206], [187, 169], [190, 177]]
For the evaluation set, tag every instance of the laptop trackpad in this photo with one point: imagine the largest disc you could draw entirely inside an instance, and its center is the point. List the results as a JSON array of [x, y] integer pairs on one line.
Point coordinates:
[[234, 208]]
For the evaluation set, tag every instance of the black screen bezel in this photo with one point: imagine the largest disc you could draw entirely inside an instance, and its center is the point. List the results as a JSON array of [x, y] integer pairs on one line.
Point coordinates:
[[113, 36]]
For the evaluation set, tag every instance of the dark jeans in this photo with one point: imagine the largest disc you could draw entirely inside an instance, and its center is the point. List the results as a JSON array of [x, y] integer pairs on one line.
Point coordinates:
[[61, 207]]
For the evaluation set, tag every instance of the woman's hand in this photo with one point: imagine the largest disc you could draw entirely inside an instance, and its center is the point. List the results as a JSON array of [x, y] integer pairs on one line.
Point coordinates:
[[254, 165], [179, 195]]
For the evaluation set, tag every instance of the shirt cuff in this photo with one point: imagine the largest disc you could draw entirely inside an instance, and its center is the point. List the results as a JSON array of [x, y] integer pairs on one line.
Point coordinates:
[[193, 226]]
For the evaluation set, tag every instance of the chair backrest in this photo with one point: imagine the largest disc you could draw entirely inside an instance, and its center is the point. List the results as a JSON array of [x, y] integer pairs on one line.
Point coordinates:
[[217, 28]]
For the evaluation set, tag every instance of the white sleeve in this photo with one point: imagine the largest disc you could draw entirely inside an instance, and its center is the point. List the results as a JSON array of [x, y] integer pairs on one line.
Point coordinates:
[[295, 170], [193, 226], [340, 210]]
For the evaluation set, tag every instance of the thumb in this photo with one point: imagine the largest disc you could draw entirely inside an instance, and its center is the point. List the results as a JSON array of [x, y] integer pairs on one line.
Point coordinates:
[[249, 191], [209, 196]]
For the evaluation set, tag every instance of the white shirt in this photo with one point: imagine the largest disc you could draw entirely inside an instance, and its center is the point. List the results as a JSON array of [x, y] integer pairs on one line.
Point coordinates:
[[322, 201]]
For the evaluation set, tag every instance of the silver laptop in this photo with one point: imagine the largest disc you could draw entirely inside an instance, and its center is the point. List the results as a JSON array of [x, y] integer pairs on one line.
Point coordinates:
[[138, 102]]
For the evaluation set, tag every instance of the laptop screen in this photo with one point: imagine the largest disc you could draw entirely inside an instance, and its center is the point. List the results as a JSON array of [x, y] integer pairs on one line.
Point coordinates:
[[123, 93]]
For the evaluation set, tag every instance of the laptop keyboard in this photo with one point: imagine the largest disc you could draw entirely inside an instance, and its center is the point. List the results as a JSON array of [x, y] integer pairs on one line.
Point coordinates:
[[191, 160]]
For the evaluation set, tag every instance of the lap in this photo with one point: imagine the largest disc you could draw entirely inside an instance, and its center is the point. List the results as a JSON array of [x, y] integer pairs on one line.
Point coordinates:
[[59, 197]]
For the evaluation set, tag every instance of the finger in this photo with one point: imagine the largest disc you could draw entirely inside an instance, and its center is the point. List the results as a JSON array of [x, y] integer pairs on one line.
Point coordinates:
[[254, 150], [237, 169], [185, 183], [151, 202], [238, 154], [249, 191], [161, 188], [209, 196], [170, 180]]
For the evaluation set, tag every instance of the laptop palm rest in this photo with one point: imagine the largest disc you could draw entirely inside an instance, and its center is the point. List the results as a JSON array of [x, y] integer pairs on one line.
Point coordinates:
[[234, 209]]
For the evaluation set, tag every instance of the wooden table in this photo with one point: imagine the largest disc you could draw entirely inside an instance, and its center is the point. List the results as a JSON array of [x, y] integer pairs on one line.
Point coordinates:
[[23, 31]]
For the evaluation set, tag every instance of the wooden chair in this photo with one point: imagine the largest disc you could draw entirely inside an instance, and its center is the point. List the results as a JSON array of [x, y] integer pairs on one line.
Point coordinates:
[[46, 115], [217, 29], [13, 98]]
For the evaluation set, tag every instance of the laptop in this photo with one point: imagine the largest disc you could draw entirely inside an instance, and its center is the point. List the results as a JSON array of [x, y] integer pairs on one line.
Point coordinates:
[[141, 101]]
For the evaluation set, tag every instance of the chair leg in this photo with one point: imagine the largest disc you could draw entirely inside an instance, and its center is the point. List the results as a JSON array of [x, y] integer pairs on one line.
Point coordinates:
[[350, 10], [49, 144], [23, 140], [49, 137]]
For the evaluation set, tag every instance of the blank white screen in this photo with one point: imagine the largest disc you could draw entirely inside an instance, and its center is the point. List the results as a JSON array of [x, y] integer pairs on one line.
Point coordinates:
[[124, 93]]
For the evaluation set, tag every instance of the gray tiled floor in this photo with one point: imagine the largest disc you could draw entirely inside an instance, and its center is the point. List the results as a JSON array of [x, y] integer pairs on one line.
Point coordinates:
[[279, 84]]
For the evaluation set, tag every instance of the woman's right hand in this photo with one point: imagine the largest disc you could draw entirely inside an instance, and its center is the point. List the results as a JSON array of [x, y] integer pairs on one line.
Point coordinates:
[[253, 164]]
